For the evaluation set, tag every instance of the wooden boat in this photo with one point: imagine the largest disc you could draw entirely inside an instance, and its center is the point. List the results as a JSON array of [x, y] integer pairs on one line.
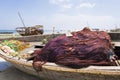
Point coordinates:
[[51, 71], [26, 31]]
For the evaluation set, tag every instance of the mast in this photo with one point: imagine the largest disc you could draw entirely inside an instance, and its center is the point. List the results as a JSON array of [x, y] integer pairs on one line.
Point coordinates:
[[21, 19]]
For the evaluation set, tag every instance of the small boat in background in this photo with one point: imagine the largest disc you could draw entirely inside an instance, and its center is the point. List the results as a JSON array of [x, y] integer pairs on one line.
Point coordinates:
[[26, 31]]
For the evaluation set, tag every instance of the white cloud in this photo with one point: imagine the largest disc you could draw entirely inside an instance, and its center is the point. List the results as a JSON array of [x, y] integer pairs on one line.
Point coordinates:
[[86, 5], [59, 1], [53, 1], [62, 3], [68, 6], [65, 5]]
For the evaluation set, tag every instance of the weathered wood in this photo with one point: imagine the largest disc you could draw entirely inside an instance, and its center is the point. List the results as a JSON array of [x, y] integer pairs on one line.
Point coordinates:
[[26, 31]]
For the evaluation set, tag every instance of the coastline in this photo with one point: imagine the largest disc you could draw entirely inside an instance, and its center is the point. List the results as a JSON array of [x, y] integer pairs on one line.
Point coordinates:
[[9, 35]]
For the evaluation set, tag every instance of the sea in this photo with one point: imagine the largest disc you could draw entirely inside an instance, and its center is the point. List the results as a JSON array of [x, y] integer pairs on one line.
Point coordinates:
[[8, 31]]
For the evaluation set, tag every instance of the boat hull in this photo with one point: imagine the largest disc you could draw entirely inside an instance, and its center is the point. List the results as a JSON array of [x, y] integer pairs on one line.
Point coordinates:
[[51, 71]]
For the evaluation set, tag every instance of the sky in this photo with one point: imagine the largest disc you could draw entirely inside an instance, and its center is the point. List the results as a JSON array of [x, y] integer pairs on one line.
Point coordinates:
[[61, 14]]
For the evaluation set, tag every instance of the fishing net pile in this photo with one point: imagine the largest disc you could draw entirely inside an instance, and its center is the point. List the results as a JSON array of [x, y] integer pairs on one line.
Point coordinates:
[[82, 49]]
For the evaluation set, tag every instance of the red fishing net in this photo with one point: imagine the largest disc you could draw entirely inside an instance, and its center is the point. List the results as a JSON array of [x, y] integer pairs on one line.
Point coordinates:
[[82, 49]]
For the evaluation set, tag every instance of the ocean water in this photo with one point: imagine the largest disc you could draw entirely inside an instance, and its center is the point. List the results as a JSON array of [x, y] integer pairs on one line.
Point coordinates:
[[14, 31]]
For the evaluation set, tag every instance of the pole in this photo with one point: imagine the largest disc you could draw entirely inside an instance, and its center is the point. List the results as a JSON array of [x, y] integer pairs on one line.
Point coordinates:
[[21, 19]]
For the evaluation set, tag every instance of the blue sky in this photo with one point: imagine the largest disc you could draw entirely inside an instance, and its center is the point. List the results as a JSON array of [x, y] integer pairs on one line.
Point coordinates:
[[61, 14]]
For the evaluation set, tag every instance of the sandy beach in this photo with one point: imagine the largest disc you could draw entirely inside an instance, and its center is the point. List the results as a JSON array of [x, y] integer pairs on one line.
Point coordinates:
[[9, 72]]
